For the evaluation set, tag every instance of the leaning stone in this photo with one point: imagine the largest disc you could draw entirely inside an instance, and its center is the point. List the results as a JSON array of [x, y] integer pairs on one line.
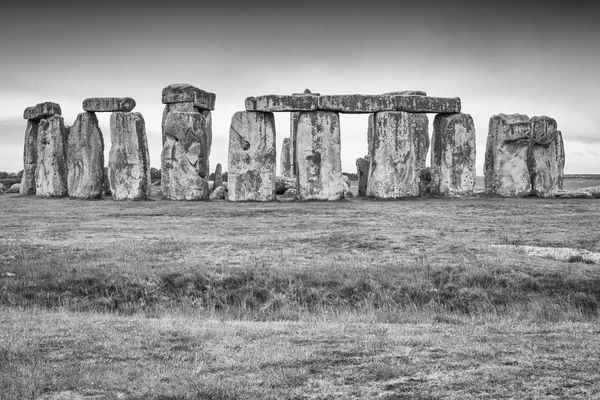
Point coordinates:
[[278, 103], [129, 161], [108, 104], [42, 110], [30, 152], [85, 158], [406, 93], [51, 171], [218, 175], [285, 161], [357, 103], [543, 157], [362, 171], [218, 193], [426, 104], [395, 165], [252, 157], [183, 93], [318, 156], [506, 172], [453, 155]]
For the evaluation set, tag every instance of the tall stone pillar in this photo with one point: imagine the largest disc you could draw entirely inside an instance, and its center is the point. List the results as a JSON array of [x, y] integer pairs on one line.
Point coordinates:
[[453, 155], [51, 171], [318, 156], [544, 158], [85, 158], [252, 157], [362, 171], [129, 160], [285, 159], [506, 171], [398, 144]]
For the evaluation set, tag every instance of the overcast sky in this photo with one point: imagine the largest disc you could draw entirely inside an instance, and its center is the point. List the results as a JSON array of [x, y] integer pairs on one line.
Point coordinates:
[[535, 59]]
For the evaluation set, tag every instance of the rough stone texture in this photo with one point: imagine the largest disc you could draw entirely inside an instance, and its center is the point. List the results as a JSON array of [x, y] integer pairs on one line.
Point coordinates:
[[30, 151], [85, 158], [506, 172], [370, 130], [3, 188], [218, 175], [15, 188], [177, 107], [218, 193], [128, 161], [51, 171], [283, 183], [278, 103], [543, 157], [291, 193], [42, 110], [453, 155], [357, 103], [108, 104], [560, 159], [252, 157], [362, 171], [395, 165], [318, 156], [185, 93], [572, 194], [293, 133], [425, 182], [184, 160], [406, 93], [593, 190], [285, 162], [426, 104]]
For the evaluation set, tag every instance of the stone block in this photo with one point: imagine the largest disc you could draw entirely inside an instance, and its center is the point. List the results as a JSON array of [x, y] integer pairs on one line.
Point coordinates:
[[285, 163], [279, 103], [357, 103], [427, 104], [543, 158], [42, 110], [184, 93], [362, 171], [51, 171], [108, 104], [85, 158]]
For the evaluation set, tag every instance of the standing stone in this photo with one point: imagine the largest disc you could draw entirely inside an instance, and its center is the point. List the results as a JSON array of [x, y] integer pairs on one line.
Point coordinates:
[[318, 156], [30, 154], [184, 160], [560, 159], [218, 176], [453, 155], [370, 133], [185, 93], [396, 156], [286, 167], [505, 169], [128, 161], [85, 158], [362, 171], [252, 157], [543, 157], [51, 171], [42, 110], [293, 133]]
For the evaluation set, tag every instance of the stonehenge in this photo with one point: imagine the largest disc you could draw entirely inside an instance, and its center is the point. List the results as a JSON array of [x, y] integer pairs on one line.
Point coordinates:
[[524, 156]]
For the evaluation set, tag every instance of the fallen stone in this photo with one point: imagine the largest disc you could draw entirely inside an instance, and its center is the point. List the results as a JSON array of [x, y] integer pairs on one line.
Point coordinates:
[[291, 193], [283, 183], [184, 93], [362, 171], [395, 165], [30, 152], [318, 156], [108, 104], [218, 193], [543, 158], [85, 158], [506, 172], [129, 161], [453, 155], [218, 175], [572, 194], [593, 190], [42, 110], [565, 254], [51, 171], [278, 103], [252, 157], [357, 103], [426, 104], [15, 188]]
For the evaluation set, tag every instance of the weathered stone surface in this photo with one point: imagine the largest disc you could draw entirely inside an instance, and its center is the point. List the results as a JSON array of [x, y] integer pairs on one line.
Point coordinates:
[[252, 157], [30, 151], [427, 104], [560, 159], [406, 93], [176, 107], [293, 133], [395, 165], [283, 183], [362, 171], [543, 157], [128, 161], [506, 172], [291, 193], [15, 188], [51, 171], [572, 194], [357, 103], [453, 155], [285, 162], [218, 175], [425, 182], [85, 158], [3, 189], [318, 156], [184, 93], [278, 103], [42, 110], [193, 132], [108, 104], [593, 190], [218, 193], [106, 183]]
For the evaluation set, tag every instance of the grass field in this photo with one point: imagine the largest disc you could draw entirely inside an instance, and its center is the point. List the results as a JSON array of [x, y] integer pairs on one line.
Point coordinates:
[[354, 299]]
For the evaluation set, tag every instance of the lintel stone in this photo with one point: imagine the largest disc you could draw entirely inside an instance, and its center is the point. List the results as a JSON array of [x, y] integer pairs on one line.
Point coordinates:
[[357, 103], [279, 103], [427, 104], [184, 93], [108, 104], [42, 110]]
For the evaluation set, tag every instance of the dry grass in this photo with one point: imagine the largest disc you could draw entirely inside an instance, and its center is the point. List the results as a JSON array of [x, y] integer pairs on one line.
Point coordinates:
[[353, 299]]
